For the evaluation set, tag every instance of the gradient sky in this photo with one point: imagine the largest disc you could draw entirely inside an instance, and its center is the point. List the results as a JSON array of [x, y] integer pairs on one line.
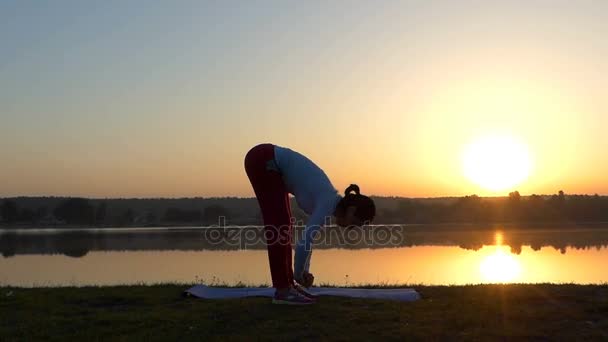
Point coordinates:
[[164, 98]]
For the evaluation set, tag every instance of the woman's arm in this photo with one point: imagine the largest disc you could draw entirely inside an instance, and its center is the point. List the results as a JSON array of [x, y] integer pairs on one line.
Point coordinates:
[[304, 246]]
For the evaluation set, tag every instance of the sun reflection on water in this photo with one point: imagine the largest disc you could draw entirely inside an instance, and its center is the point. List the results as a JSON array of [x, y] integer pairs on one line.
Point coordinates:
[[500, 266]]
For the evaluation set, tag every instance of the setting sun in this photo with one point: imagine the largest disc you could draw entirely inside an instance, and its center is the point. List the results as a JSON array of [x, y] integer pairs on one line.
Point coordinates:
[[496, 162]]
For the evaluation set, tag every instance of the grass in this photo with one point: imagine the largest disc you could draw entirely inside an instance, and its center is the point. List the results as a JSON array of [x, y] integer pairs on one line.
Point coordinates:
[[160, 313]]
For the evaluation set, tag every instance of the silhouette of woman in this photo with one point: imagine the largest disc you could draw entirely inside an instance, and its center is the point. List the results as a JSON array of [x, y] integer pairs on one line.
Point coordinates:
[[275, 172]]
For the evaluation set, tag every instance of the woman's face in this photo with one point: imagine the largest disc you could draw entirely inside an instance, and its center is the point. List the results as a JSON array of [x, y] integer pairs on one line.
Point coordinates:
[[349, 218]]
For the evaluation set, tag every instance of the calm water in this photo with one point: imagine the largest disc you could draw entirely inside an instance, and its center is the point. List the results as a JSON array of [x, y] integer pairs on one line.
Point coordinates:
[[412, 254]]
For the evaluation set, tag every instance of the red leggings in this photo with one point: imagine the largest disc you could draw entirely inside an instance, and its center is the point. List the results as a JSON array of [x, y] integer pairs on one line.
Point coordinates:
[[273, 198]]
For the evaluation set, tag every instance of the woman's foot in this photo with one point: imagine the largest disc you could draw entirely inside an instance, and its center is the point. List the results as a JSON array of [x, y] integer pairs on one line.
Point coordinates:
[[290, 297], [304, 292]]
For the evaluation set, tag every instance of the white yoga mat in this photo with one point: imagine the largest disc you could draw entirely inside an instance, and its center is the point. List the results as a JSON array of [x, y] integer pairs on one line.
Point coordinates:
[[403, 295]]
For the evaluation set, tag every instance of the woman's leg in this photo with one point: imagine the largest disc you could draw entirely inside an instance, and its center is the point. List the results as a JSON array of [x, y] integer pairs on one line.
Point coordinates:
[[273, 199]]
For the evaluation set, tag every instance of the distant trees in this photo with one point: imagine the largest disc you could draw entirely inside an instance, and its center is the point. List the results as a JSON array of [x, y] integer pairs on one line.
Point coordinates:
[[514, 197], [182, 215], [28, 215], [515, 208], [75, 211], [100, 213], [150, 218], [127, 218], [9, 211], [41, 213], [212, 214], [86, 212], [557, 205], [470, 209]]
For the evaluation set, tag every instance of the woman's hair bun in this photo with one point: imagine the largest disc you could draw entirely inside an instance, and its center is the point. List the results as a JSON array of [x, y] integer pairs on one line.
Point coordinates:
[[365, 209], [352, 187]]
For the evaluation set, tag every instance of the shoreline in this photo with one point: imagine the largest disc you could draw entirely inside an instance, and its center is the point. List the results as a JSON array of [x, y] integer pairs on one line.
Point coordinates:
[[445, 225]]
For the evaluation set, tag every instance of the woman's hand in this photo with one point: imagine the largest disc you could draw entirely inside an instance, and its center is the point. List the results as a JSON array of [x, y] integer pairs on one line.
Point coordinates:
[[308, 279]]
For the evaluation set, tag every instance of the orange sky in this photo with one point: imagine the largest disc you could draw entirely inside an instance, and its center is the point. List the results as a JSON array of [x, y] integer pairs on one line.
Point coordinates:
[[387, 96]]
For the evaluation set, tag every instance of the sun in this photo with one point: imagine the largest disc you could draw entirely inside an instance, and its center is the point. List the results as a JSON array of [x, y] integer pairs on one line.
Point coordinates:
[[497, 162]]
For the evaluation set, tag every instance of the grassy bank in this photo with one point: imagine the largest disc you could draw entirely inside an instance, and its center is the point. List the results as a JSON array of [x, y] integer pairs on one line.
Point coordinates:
[[161, 313]]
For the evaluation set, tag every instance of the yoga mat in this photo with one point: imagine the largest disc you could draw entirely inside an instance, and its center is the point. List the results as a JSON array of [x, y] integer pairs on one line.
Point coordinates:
[[206, 292]]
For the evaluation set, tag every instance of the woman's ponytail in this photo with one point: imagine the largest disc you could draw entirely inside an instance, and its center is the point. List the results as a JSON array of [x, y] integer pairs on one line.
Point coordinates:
[[365, 207], [352, 187]]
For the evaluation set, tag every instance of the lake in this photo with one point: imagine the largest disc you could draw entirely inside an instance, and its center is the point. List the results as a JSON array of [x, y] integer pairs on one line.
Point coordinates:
[[419, 254]]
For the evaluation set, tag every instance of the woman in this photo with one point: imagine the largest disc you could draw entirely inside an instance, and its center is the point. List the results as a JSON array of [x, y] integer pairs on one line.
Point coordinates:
[[275, 172]]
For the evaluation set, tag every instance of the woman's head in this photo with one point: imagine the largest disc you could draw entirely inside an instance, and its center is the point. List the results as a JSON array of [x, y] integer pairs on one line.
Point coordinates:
[[354, 209]]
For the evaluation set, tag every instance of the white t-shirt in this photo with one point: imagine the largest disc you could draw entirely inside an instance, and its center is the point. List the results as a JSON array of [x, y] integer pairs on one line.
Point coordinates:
[[315, 195]]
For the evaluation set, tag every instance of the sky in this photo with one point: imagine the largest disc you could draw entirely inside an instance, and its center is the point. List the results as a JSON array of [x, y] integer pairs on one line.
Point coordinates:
[[164, 98]]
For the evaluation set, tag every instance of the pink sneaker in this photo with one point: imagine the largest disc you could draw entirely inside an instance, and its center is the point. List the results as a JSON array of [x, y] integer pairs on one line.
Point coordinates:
[[293, 297], [304, 292]]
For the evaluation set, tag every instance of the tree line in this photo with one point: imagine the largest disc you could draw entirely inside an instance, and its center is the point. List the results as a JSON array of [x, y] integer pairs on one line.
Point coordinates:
[[56, 211], [512, 209], [86, 212]]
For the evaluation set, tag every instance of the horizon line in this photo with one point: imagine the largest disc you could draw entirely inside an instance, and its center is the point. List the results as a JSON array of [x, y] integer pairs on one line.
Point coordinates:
[[253, 197]]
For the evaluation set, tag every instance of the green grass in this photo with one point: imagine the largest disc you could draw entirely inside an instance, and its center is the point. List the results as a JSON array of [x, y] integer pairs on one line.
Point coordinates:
[[155, 313]]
